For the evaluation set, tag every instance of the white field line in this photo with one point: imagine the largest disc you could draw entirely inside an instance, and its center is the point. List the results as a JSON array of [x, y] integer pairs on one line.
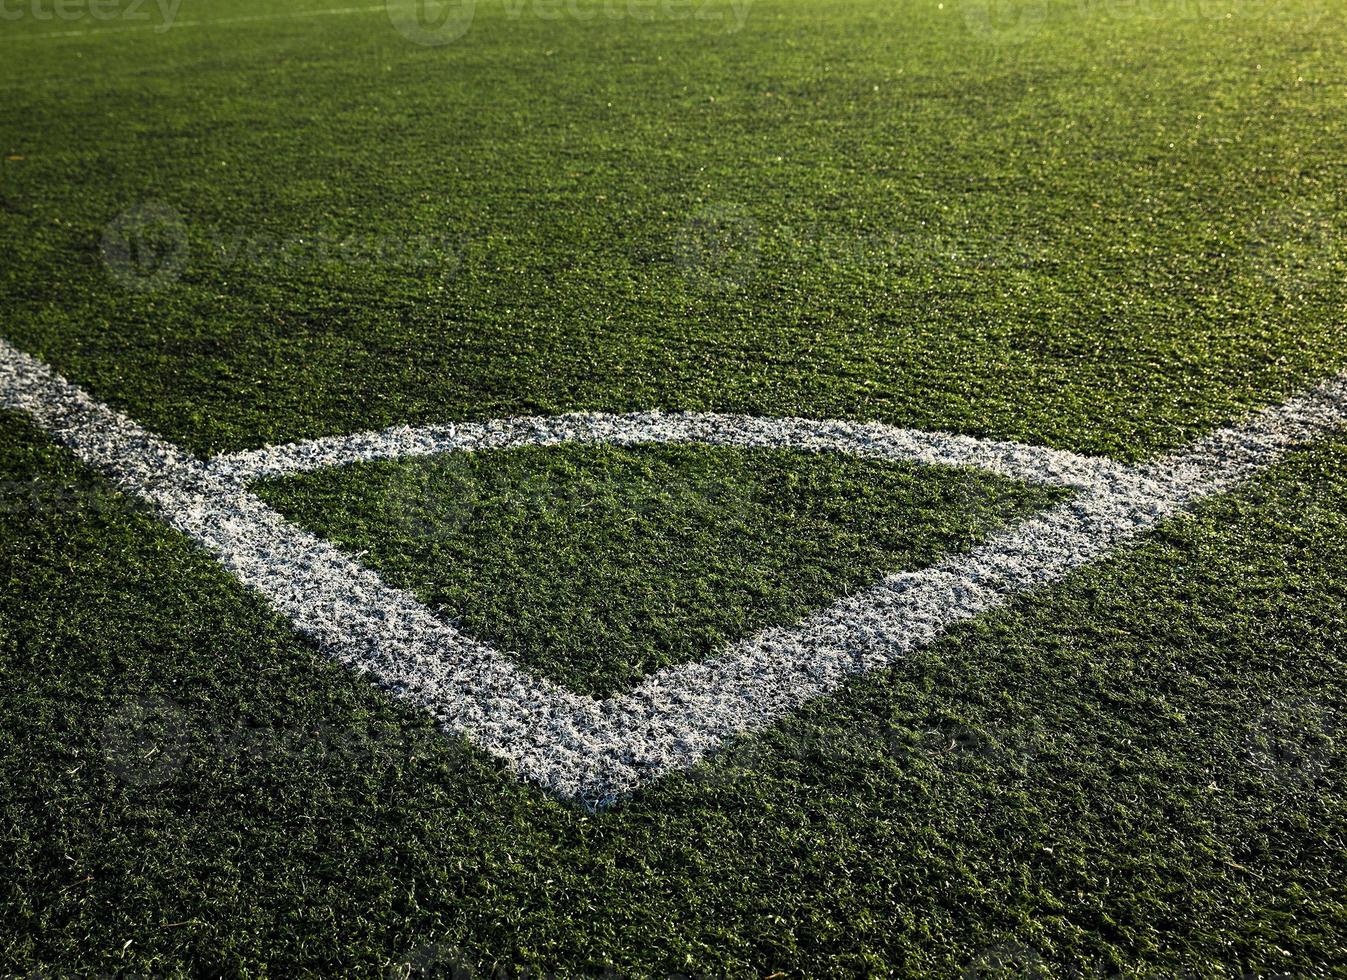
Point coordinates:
[[594, 750], [868, 439]]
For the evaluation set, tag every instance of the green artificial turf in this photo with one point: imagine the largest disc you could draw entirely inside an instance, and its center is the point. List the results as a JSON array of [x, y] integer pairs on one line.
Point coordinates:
[[1139, 770], [1107, 231], [598, 565], [1103, 227]]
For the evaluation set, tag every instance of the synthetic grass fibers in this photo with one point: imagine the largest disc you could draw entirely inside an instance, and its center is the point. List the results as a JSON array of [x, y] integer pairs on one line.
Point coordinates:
[[784, 488], [595, 751]]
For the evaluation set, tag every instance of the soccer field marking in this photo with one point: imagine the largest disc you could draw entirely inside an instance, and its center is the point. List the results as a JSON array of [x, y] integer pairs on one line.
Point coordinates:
[[581, 747], [1015, 460]]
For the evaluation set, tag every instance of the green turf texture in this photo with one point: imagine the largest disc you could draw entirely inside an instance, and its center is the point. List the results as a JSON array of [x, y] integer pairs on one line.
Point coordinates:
[[1102, 227], [1138, 770], [1107, 233], [599, 565]]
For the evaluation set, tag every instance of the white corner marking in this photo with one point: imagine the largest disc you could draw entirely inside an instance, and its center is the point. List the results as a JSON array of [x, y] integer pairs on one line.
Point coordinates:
[[581, 747]]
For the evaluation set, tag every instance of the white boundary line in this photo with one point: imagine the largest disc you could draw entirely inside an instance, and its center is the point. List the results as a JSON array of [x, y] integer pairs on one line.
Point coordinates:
[[868, 439], [593, 750]]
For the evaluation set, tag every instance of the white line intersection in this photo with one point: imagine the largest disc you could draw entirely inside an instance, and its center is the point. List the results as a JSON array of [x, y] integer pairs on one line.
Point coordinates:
[[598, 750]]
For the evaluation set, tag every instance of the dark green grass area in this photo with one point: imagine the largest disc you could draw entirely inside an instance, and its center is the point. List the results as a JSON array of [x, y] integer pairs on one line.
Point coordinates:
[[1105, 227], [1141, 769], [1102, 226], [598, 565]]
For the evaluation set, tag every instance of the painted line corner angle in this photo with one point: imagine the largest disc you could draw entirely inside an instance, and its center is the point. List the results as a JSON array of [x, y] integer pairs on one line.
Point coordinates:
[[597, 751]]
